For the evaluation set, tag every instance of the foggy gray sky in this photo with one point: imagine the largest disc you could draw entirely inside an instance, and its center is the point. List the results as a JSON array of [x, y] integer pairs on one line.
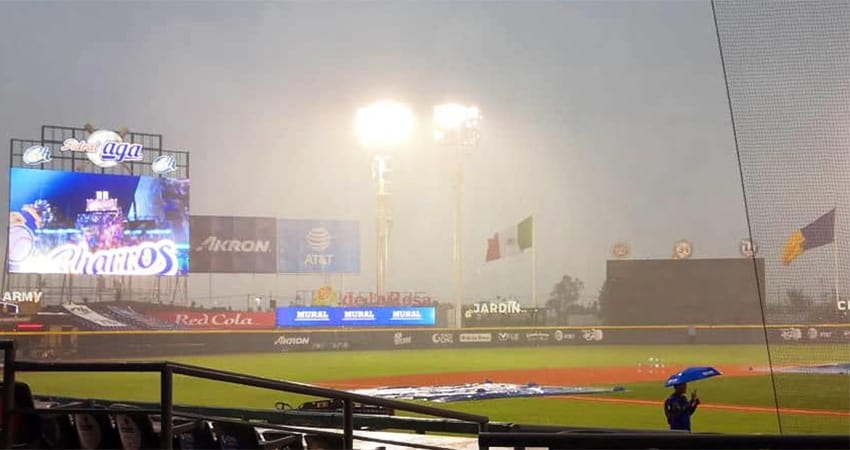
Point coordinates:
[[606, 120]]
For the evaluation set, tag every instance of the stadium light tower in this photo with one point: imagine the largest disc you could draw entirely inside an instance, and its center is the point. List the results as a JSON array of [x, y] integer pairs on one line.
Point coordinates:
[[382, 128], [457, 127]]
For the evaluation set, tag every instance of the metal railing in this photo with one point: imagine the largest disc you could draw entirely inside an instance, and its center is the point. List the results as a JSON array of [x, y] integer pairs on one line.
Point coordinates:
[[167, 370], [619, 440], [319, 418]]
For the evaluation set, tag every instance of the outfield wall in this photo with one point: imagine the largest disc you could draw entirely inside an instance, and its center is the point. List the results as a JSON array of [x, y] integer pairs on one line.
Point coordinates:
[[134, 344]]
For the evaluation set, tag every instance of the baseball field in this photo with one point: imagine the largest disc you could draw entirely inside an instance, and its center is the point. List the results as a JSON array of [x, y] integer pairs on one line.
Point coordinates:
[[743, 400]]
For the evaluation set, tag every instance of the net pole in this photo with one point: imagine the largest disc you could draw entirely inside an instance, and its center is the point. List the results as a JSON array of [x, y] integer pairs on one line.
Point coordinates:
[[835, 254], [533, 263]]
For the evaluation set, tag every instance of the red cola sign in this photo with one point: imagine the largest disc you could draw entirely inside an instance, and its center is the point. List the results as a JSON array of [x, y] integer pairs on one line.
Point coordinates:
[[406, 298], [218, 320]]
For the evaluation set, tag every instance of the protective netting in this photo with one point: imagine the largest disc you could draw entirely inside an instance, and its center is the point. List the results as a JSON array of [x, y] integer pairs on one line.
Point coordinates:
[[787, 66]]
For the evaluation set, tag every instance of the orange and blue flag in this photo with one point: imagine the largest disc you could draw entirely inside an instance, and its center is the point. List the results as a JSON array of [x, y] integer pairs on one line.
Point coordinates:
[[818, 233]]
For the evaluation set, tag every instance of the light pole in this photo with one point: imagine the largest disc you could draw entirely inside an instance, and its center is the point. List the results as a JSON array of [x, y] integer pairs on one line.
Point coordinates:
[[382, 128], [457, 127]]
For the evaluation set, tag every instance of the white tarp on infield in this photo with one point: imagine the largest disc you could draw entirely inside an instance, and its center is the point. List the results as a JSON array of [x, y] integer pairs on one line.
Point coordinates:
[[478, 391]]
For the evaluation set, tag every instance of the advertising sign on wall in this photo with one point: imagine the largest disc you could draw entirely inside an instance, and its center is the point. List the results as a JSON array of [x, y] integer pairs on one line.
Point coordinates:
[[94, 224], [224, 320], [392, 298], [325, 296], [233, 244], [355, 317], [318, 246], [476, 337], [156, 345], [105, 148]]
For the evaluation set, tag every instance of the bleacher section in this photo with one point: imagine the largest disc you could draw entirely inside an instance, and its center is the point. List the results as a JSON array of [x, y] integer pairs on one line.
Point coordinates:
[[93, 320], [102, 317], [133, 318]]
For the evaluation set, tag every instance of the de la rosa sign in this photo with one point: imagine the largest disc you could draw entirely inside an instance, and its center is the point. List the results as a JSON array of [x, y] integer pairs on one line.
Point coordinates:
[[391, 299], [218, 320]]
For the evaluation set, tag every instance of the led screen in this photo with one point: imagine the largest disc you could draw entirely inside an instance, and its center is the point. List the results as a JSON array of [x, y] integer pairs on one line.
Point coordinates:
[[355, 317], [95, 224]]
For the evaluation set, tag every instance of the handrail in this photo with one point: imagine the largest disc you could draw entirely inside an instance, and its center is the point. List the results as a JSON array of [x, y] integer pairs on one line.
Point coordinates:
[[322, 418], [82, 366], [63, 410], [661, 440], [168, 369], [312, 431], [247, 380], [315, 391]]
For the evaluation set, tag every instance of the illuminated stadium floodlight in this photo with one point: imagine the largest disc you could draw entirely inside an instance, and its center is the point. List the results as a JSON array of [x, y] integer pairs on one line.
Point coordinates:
[[382, 128], [457, 126], [384, 125]]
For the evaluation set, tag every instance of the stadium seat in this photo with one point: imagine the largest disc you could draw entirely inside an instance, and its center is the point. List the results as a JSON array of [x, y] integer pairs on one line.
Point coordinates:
[[200, 437], [25, 427], [317, 442], [58, 432], [233, 435], [96, 431], [136, 430]]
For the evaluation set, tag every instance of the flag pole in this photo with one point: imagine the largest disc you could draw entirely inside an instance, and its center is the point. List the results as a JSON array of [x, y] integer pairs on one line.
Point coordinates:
[[533, 262]]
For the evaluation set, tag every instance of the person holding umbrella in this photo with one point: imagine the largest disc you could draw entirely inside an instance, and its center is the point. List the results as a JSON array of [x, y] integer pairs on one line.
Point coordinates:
[[678, 408]]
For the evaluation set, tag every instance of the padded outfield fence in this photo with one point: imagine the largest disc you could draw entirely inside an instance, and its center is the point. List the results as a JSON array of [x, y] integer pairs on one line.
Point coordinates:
[[150, 344]]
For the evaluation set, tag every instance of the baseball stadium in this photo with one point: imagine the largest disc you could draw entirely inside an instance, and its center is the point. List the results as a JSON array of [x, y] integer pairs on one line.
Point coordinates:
[[631, 233]]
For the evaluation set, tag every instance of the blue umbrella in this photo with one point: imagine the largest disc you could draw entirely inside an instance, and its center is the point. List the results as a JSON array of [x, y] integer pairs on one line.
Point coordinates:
[[691, 374]]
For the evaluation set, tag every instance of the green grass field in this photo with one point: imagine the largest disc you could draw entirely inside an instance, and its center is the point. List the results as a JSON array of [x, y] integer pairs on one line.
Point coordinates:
[[820, 392]]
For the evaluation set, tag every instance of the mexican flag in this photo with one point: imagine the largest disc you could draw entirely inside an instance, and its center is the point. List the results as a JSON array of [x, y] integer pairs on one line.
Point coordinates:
[[511, 241]]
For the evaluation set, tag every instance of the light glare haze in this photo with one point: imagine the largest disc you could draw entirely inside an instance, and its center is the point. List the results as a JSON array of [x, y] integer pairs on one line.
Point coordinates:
[[606, 121]]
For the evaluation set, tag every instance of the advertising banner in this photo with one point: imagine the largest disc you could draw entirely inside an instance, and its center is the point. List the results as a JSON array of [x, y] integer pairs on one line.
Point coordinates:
[[318, 246], [392, 298], [150, 345], [476, 337], [224, 320], [325, 296], [95, 224], [223, 244], [355, 317]]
